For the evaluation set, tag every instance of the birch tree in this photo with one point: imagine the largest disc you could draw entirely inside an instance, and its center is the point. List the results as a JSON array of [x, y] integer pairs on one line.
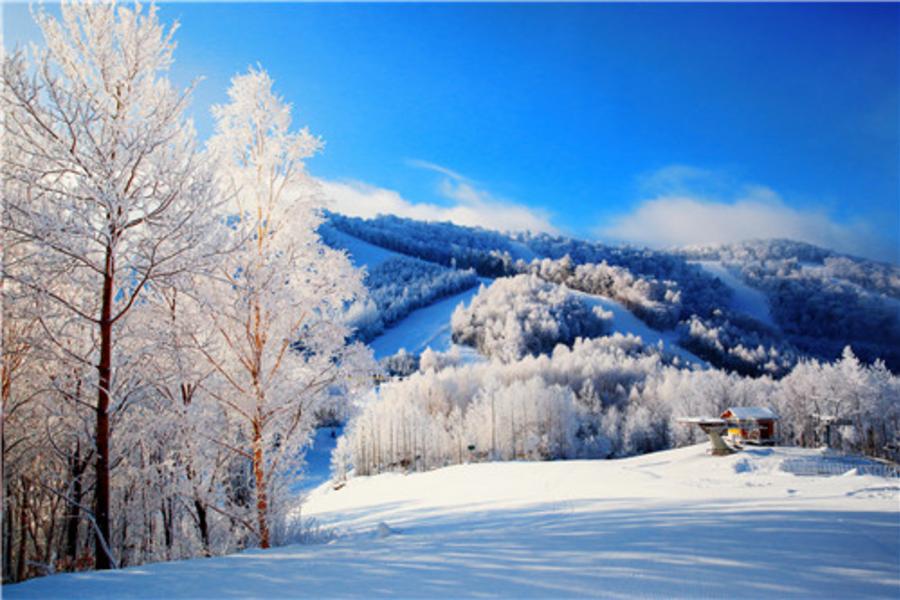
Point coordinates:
[[102, 179], [281, 353]]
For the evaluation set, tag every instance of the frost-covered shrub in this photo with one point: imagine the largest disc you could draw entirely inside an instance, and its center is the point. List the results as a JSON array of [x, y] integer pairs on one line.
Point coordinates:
[[400, 364], [523, 315]]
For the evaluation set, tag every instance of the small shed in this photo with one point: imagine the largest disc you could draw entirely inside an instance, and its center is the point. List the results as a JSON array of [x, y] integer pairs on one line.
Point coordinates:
[[751, 425]]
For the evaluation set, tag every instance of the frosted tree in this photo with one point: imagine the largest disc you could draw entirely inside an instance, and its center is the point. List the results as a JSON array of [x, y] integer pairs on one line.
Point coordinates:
[[523, 315], [101, 177], [277, 309]]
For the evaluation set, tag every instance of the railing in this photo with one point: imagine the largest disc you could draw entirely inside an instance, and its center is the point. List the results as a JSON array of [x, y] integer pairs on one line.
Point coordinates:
[[838, 465]]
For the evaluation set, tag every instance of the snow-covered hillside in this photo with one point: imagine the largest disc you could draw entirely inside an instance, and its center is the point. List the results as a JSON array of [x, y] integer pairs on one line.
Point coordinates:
[[675, 524], [746, 299], [363, 254], [755, 308], [625, 322], [427, 327]]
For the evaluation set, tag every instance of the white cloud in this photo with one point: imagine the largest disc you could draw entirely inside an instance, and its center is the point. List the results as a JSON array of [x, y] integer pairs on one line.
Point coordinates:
[[430, 166], [752, 212], [469, 205]]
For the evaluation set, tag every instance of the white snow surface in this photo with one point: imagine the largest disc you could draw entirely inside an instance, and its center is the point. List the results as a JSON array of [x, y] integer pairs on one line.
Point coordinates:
[[362, 253], [675, 524], [746, 299], [625, 322], [423, 328]]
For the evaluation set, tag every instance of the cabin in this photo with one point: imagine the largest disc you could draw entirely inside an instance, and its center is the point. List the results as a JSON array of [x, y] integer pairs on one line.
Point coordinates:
[[751, 425]]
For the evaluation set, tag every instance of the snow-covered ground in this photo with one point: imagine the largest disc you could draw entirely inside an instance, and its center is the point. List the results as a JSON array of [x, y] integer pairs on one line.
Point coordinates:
[[625, 322], [318, 458], [423, 328], [362, 254], [746, 299], [673, 524]]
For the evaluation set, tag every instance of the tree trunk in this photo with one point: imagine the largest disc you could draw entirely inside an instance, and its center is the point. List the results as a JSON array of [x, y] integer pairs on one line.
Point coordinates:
[[203, 526], [23, 531], [73, 512], [102, 560], [168, 518], [7, 534], [262, 503]]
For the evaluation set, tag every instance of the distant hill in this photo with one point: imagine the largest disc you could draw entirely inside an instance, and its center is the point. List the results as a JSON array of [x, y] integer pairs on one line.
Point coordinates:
[[755, 307]]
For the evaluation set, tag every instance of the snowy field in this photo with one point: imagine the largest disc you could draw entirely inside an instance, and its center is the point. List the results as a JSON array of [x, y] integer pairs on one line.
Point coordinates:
[[675, 524]]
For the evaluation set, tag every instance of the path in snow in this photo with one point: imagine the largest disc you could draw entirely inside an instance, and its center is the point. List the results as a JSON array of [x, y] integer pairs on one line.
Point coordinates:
[[676, 524], [318, 458], [745, 299], [423, 328]]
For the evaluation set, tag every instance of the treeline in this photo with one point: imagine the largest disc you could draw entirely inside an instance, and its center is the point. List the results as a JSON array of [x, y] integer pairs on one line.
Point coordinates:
[[606, 397], [487, 252], [738, 343], [657, 303], [699, 292]]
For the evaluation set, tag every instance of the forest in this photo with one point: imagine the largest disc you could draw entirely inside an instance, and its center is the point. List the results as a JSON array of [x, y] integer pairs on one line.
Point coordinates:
[[173, 324], [607, 397]]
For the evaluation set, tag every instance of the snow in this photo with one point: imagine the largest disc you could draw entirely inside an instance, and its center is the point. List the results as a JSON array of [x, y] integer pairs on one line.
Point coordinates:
[[318, 458], [625, 322], [430, 327], [679, 524], [423, 328], [520, 251], [362, 254], [746, 299]]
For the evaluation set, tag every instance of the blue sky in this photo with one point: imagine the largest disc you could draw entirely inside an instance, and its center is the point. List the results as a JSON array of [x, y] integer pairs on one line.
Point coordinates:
[[655, 123]]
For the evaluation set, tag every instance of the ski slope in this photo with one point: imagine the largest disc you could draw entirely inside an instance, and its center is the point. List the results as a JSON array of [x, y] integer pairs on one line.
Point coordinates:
[[423, 328], [675, 524], [430, 326], [362, 254], [745, 299], [625, 322]]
